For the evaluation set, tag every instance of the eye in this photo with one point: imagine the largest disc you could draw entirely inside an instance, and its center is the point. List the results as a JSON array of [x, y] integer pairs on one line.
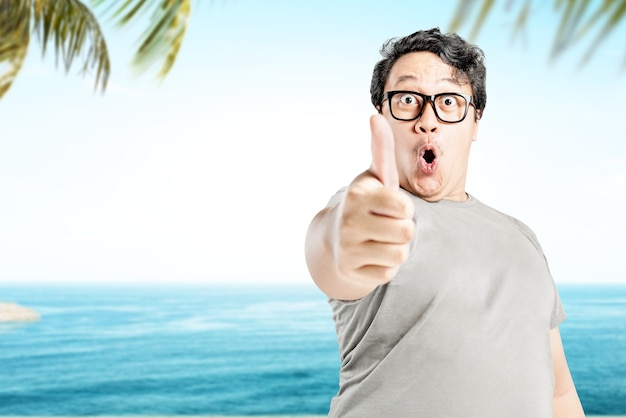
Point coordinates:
[[408, 99], [450, 101]]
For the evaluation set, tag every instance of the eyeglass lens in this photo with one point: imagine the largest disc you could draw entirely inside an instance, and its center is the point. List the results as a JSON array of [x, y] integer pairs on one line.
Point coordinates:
[[449, 107]]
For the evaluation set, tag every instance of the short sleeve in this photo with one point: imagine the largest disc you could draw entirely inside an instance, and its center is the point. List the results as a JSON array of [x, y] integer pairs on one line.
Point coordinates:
[[558, 313], [336, 198]]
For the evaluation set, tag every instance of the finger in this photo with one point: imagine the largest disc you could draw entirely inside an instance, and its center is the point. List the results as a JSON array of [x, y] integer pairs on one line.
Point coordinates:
[[382, 255], [376, 275], [383, 152], [365, 197], [392, 203], [376, 227], [392, 231]]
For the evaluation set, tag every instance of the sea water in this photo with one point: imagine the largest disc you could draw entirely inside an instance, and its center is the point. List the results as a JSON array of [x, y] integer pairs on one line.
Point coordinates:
[[232, 350]]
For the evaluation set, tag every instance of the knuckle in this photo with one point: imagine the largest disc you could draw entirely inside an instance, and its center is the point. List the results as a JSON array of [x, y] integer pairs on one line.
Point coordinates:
[[388, 274], [348, 221], [355, 193], [407, 207], [407, 231], [400, 255]]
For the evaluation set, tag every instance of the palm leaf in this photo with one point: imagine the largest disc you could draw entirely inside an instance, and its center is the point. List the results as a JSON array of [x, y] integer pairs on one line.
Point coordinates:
[[466, 7], [75, 33], [463, 9], [572, 26], [593, 21], [139, 6], [615, 16], [522, 18], [165, 35], [482, 17], [163, 38], [14, 40], [573, 12]]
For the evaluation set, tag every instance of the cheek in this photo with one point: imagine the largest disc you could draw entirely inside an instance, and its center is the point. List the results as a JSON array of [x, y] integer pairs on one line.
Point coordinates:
[[456, 153]]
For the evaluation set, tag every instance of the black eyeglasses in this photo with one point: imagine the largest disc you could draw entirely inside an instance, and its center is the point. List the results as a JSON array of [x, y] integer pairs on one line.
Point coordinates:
[[409, 105]]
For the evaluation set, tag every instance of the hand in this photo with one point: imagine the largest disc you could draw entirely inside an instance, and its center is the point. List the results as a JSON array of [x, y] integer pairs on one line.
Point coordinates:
[[375, 224]]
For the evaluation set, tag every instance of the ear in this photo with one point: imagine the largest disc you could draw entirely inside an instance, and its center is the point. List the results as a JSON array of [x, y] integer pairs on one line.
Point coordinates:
[[475, 136]]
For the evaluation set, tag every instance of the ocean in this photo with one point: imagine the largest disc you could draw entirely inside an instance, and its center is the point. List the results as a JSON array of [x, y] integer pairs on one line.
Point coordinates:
[[232, 350]]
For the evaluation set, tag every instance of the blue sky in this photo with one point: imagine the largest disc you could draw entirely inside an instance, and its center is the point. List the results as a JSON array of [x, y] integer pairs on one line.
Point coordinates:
[[214, 174]]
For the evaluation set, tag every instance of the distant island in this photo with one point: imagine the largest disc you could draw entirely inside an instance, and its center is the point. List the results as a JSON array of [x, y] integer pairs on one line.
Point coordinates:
[[12, 312]]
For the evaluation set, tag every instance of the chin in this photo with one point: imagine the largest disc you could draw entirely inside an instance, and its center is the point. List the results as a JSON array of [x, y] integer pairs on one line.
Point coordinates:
[[435, 198], [427, 190]]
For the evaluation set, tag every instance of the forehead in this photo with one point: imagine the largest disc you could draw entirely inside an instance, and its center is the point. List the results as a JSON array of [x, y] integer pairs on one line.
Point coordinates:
[[423, 71]]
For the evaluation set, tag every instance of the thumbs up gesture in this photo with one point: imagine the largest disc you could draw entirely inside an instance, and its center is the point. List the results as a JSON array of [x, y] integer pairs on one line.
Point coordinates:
[[383, 153], [365, 238]]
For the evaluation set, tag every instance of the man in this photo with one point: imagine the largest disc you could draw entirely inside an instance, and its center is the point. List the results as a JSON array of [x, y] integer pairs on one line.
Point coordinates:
[[444, 307]]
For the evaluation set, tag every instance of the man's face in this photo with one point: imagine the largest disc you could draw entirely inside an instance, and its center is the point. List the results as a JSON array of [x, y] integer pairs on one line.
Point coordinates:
[[431, 155]]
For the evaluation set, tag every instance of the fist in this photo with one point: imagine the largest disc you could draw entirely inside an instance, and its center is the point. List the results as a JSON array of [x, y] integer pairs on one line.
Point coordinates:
[[375, 225]]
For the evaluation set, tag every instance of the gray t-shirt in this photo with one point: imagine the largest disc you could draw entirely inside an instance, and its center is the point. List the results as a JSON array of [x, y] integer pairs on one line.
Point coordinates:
[[461, 331]]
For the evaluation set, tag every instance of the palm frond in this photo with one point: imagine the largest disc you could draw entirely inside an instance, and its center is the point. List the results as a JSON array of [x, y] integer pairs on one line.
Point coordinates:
[[485, 7], [482, 17], [571, 21], [463, 9], [615, 16], [14, 40], [165, 35], [177, 41], [12, 13], [162, 40], [75, 32], [577, 33], [521, 20], [466, 8], [124, 13], [577, 19]]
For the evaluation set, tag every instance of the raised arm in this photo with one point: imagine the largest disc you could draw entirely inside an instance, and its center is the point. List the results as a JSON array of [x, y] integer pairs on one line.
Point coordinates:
[[360, 243]]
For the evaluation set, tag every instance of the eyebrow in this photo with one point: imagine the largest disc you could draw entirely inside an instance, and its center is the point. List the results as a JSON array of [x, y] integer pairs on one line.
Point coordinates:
[[409, 77]]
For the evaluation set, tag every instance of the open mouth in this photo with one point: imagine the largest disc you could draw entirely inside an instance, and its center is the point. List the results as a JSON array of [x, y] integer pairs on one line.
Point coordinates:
[[428, 160], [429, 156]]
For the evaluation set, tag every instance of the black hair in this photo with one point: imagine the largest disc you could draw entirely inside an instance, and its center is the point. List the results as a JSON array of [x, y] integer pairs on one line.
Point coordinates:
[[466, 59]]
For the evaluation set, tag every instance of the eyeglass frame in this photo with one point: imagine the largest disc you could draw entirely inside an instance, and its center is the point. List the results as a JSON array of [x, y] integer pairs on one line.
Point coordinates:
[[469, 100]]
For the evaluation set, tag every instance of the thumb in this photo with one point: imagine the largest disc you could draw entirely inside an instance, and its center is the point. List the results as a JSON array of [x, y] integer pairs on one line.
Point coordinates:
[[383, 152]]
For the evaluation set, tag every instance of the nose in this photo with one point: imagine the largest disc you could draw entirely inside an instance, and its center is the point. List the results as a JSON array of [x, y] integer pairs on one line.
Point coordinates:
[[428, 121]]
